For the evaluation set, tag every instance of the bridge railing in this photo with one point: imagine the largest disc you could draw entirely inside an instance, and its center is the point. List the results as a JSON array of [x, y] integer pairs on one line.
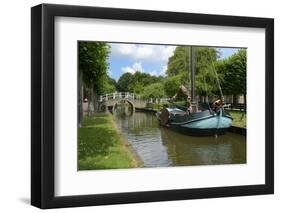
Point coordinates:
[[120, 95], [131, 96]]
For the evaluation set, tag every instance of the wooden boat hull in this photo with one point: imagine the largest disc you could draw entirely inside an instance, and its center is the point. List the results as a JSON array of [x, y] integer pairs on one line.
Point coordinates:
[[200, 123]]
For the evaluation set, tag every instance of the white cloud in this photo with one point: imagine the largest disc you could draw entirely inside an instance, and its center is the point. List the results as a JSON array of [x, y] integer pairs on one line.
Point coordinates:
[[142, 54], [154, 73], [148, 53], [132, 69], [168, 51], [138, 67]]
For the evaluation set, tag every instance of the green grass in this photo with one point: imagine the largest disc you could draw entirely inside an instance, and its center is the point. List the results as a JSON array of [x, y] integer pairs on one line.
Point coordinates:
[[101, 145], [239, 118]]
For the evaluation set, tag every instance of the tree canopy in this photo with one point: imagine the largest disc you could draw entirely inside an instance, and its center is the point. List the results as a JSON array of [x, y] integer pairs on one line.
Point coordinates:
[[93, 67], [93, 64], [124, 82], [155, 90], [109, 86], [179, 68], [172, 84], [233, 73], [179, 62], [136, 82]]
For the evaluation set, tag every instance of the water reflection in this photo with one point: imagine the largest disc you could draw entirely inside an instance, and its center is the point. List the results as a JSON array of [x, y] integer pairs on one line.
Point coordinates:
[[158, 146]]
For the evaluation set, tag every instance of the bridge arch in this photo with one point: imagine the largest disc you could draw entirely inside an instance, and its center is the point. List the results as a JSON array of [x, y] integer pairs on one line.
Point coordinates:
[[115, 103], [110, 100], [136, 101]]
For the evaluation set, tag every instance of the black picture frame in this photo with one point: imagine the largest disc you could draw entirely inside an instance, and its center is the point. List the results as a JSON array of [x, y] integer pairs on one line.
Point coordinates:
[[43, 102]]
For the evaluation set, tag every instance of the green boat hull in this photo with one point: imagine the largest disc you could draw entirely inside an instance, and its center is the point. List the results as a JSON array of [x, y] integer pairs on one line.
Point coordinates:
[[203, 123]]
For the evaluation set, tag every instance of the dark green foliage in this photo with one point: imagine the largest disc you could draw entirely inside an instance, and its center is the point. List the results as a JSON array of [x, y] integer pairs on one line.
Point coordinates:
[[136, 82], [124, 82], [109, 86], [179, 62], [233, 73], [93, 64], [155, 90], [112, 81], [179, 70], [206, 83], [172, 84]]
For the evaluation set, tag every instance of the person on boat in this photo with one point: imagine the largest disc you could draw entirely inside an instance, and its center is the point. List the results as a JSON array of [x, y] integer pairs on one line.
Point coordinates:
[[183, 91], [216, 105]]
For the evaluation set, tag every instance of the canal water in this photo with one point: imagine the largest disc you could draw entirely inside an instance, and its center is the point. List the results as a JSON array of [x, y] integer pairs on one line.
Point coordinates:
[[160, 147]]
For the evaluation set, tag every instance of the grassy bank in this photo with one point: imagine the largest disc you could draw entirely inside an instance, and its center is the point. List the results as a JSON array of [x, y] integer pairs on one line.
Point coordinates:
[[101, 146], [239, 118]]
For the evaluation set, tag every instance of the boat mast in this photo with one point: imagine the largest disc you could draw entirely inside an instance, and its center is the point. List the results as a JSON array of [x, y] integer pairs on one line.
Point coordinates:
[[192, 68]]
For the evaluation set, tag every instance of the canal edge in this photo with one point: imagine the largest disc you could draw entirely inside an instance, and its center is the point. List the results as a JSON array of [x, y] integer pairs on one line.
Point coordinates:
[[138, 162]]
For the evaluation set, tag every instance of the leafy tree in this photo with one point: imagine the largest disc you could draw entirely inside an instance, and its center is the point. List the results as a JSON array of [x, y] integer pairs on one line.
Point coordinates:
[[233, 72], [109, 86], [112, 81], [124, 82], [179, 63], [172, 84], [140, 80], [155, 90], [138, 88], [136, 82], [206, 83], [93, 66]]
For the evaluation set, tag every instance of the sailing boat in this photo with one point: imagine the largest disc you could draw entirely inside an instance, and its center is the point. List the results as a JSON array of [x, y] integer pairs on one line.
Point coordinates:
[[191, 121]]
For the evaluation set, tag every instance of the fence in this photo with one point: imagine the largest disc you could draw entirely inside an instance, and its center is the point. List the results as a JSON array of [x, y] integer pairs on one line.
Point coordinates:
[[131, 96]]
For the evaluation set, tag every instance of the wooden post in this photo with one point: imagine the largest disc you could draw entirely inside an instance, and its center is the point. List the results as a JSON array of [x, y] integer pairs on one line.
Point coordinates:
[[193, 96]]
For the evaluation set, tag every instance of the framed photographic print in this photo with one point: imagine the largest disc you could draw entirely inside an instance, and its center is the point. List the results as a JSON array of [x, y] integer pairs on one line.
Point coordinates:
[[140, 106]]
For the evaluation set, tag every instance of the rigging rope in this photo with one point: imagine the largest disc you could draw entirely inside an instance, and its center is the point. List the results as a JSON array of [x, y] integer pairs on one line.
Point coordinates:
[[217, 77]]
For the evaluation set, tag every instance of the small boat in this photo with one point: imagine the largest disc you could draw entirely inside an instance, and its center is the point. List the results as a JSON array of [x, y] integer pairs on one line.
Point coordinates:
[[189, 120], [204, 123]]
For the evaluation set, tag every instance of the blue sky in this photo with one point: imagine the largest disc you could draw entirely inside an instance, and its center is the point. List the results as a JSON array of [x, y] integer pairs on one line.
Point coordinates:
[[150, 59]]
